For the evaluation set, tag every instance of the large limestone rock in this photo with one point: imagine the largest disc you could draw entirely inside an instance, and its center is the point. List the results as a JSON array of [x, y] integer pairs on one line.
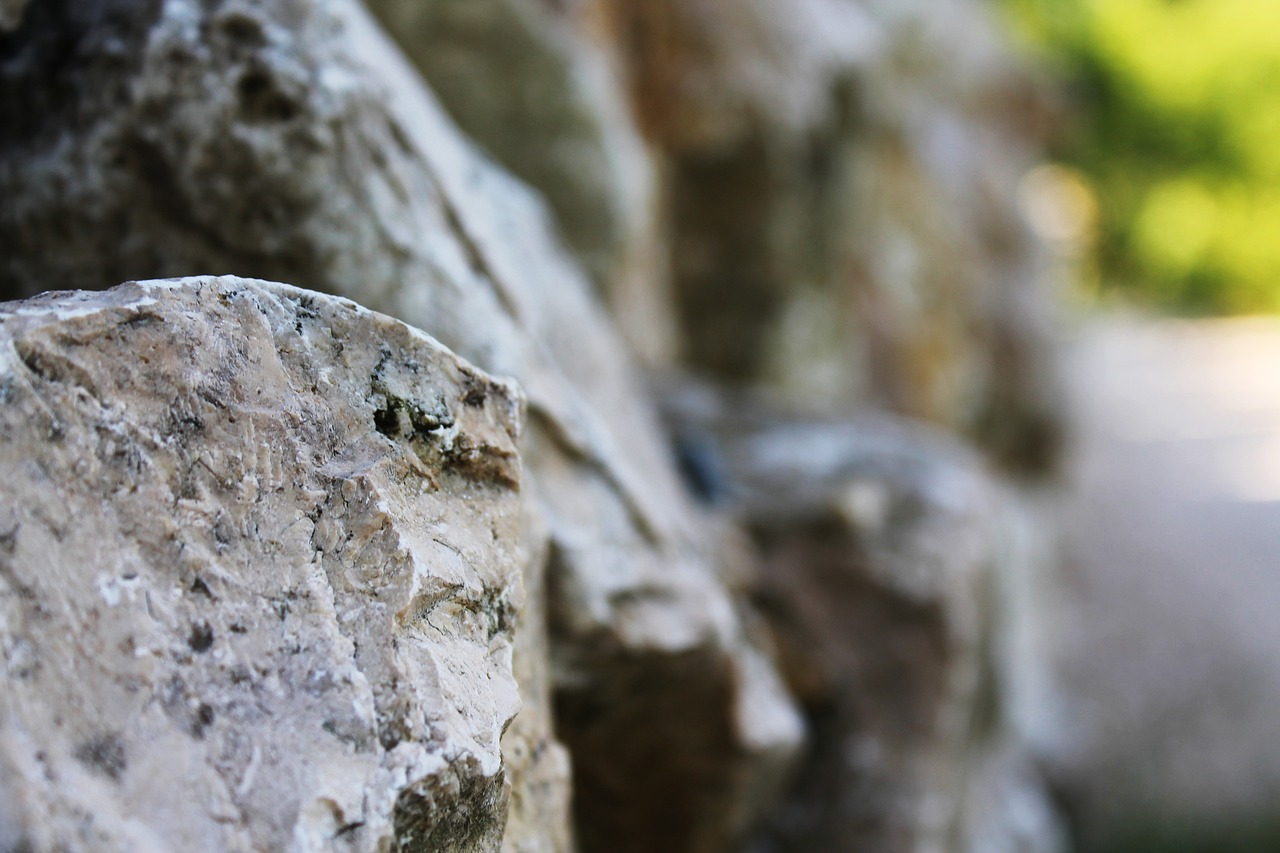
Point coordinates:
[[886, 580], [259, 576], [292, 141], [839, 182]]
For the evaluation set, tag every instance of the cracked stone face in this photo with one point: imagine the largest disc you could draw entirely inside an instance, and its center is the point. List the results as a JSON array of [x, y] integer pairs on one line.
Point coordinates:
[[291, 141], [258, 575]]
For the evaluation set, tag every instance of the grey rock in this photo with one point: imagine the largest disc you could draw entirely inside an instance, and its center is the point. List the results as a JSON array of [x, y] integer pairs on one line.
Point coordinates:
[[294, 142], [259, 579], [885, 581], [527, 81]]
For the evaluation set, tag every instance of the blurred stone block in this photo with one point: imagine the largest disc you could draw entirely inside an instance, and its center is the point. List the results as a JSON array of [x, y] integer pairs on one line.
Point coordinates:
[[841, 181], [884, 580]]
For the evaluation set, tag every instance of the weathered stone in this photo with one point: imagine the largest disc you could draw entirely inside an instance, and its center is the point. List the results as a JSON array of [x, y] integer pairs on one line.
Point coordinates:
[[842, 181], [883, 581], [259, 575], [529, 82], [292, 141], [518, 79]]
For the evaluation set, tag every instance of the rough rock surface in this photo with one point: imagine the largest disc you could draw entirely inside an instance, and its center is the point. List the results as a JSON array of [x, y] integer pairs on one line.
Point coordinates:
[[259, 576], [885, 582], [530, 84], [293, 142]]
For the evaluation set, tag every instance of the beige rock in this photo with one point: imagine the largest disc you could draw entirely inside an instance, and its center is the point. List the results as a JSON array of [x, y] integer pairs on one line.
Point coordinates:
[[292, 141], [534, 85], [538, 817], [260, 575], [885, 582], [518, 79]]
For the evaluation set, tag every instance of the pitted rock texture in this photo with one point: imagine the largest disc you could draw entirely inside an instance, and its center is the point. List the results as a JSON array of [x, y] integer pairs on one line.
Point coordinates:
[[884, 581], [293, 141], [259, 575]]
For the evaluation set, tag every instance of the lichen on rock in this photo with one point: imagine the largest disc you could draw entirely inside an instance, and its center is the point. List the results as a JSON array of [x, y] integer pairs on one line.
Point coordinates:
[[235, 613]]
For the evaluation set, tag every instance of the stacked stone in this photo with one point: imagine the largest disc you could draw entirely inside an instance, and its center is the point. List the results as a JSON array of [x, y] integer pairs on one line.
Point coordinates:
[[299, 558], [836, 190], [837, 195]]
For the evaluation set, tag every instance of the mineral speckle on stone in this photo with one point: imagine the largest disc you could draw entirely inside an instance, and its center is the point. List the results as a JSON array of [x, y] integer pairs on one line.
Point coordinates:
[[327, 163], [241, 606]]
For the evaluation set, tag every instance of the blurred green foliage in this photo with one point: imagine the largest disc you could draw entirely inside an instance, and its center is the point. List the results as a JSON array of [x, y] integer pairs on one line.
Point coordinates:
[[1177, 127]]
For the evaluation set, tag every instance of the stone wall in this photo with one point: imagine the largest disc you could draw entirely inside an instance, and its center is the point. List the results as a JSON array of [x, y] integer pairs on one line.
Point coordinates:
[[836, 183], [734, 614]]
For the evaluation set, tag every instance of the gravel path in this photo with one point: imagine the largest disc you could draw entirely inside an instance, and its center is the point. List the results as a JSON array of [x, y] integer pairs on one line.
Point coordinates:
[[1171, 654]]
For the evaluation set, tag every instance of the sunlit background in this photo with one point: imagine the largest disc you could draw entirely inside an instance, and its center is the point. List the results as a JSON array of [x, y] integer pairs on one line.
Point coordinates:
[[1162, 197], [1174, 139]]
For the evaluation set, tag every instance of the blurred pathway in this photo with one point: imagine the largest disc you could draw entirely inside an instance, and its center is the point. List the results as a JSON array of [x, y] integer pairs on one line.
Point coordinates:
[[1172, 652]]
